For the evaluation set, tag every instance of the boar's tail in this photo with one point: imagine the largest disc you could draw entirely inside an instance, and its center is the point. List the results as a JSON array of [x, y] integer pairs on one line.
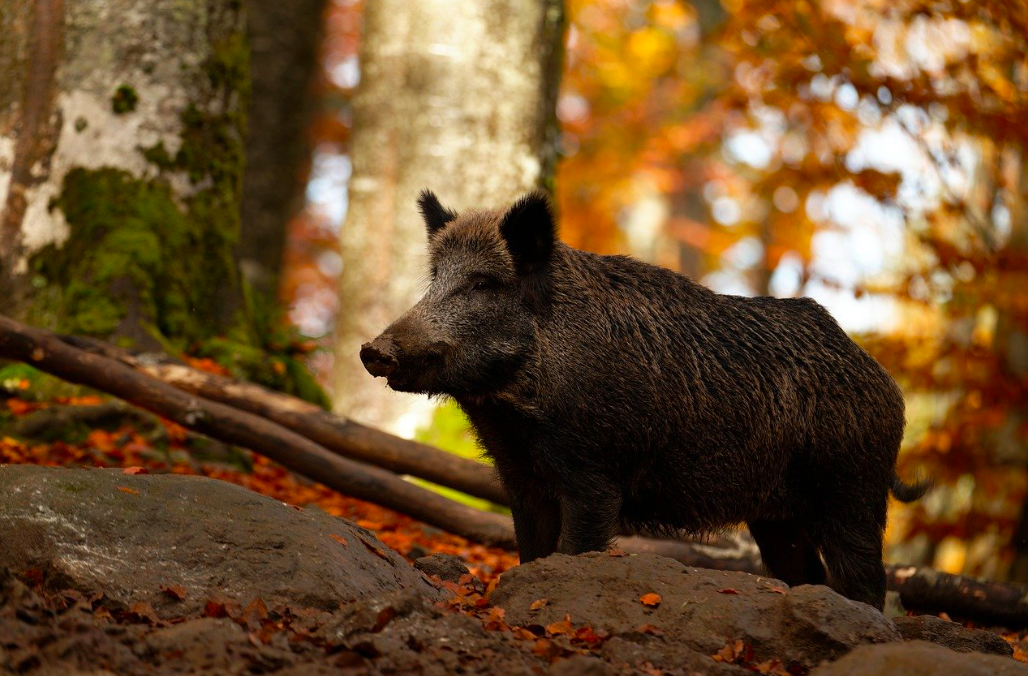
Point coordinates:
[[910, 492]]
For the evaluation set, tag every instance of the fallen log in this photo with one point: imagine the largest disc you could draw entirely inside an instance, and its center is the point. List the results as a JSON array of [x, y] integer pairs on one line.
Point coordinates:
[[335, 433], [46, 352], [983, 601]]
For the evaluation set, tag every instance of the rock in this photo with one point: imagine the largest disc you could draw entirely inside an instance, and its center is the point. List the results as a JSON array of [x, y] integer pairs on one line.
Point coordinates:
[[919, 658], [132, 535], [444, 566], [699, 611], [582, 665], [952, 635], [426, 640]]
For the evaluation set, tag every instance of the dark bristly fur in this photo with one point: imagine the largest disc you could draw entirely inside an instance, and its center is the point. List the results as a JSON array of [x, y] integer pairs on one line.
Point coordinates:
[[614, 393]]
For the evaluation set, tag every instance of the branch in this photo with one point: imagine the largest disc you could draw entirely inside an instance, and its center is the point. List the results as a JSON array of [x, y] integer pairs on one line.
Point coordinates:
[[48, 353], [335, 433]]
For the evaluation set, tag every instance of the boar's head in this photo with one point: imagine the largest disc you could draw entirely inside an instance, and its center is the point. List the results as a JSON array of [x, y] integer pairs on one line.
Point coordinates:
[[475, 328]]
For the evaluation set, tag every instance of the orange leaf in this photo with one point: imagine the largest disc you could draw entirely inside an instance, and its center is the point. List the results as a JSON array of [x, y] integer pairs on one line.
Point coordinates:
[[215, 609], [126, 489], [538, 603], [730, 653], [562, 627], [651, 599], [524, 634], [257, 607], [546, 648], [135, 470], [143, 610], [340, 539], [728, 591], [586, 634]]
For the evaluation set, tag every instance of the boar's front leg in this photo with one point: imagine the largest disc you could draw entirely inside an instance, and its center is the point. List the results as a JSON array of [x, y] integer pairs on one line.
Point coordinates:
[[590, 511], [536, 522]]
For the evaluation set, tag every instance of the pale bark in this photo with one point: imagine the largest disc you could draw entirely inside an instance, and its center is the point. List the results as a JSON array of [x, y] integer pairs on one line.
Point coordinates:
[[457, 97], [87, 87]]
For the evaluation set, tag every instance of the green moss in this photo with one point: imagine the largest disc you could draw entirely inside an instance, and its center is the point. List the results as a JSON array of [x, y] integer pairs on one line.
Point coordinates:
[[141, 258], [268, 365], [451, 431], [130, 246], [124, 100]]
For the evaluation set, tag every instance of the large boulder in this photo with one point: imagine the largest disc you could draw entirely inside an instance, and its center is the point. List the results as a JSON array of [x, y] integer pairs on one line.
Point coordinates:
[[919, 658], [133, 535], [698, 611]]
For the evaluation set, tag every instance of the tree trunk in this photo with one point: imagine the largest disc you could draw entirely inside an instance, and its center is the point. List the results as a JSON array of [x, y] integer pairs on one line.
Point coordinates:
[[1011, 345], [284, 41], [121, 159], [458, 97]]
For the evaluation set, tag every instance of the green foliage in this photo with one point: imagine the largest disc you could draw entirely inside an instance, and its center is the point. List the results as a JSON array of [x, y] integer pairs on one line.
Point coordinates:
[[124, 100], [12, 375], [451, 431]]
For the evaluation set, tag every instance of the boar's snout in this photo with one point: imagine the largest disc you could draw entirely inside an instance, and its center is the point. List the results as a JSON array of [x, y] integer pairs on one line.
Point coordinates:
[[379, 357]]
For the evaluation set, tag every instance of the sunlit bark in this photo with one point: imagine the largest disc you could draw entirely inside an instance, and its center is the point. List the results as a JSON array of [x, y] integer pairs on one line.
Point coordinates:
[[456, 97]]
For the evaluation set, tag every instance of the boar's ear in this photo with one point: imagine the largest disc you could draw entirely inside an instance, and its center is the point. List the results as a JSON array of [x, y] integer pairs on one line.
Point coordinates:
[[529, 231], [435, 214]]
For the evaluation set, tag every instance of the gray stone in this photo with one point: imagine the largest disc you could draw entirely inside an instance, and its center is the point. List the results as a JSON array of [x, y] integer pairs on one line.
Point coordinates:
[[130, 535], [701, 611], [444, 566], [919, 658]]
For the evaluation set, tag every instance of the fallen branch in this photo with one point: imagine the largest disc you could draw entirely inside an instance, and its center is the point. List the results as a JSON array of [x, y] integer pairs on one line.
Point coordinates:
[[47, 353], [984, 601], [335, 433]]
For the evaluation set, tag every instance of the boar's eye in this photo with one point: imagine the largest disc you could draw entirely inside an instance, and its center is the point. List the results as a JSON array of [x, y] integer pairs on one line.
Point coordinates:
[[484, 284]]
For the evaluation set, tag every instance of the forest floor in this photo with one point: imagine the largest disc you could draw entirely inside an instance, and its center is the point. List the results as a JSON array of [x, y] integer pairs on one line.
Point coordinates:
[[173, 451]]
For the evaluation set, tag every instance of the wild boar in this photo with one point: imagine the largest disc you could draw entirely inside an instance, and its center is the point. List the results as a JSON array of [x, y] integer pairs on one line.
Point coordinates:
[[611, 393]]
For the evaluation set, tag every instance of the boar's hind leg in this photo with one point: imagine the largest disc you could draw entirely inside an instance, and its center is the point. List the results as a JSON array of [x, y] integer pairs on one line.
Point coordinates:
[[590, 515], [852, 546], [788, 552], [536, 523]]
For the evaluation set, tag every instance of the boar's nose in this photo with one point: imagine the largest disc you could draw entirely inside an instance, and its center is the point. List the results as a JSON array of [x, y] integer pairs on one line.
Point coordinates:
[[378, 357]]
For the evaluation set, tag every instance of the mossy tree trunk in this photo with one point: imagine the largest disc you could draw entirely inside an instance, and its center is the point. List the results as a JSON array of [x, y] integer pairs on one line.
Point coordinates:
[[121, 164], [458, 97]]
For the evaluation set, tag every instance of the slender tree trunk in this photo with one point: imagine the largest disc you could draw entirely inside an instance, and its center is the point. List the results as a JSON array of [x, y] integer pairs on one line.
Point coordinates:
[[284, 41], [1011, 344], [121, 159], [458, 97]]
